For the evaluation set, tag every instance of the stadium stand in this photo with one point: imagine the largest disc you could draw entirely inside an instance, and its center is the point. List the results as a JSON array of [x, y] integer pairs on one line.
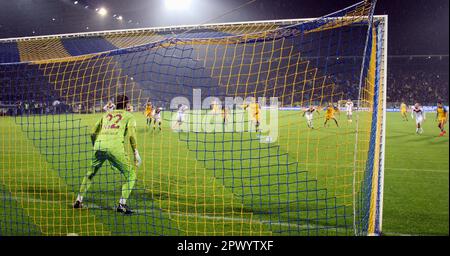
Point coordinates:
[[418, 79], [9, 53]]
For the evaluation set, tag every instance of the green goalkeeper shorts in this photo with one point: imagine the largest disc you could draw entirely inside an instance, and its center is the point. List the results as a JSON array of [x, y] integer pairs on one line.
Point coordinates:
[[118, 159]]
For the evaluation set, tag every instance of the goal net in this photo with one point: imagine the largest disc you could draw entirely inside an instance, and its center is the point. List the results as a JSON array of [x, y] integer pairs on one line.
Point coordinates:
[[253, 140]]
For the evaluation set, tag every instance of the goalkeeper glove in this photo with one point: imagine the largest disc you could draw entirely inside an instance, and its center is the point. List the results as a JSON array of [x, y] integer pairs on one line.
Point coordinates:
[[137, 158]]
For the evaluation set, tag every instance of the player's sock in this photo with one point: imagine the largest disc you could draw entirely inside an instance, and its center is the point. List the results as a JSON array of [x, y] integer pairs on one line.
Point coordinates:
[[122, 201], [78, 205], [86, 183], [336, 122], [123, 208], [79, 202]]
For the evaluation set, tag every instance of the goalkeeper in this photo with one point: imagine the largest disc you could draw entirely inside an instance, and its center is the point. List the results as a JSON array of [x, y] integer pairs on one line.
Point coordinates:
[[108, 138]]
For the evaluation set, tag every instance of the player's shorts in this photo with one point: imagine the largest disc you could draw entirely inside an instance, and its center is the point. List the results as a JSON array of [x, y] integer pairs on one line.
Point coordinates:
[[349, 113], [148, 114], [442, 120], [403, 112], [117, 158], [256, 118], [419, 120], [309, 117], [328, 117], [180, 117], [157, 118]]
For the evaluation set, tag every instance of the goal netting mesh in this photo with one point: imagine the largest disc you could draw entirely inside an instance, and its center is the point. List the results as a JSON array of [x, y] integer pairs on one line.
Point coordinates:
[[242, 159]]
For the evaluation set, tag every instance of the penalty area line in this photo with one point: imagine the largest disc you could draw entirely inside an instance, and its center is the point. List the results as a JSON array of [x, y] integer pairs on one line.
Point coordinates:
[[304, 227], [138, 211]]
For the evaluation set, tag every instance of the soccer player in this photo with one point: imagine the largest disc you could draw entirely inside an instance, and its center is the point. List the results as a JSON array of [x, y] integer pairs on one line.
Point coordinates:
[[108, 139], [180, 114], [308, 113], [255, 112], [157, 118], [224, 114], [215, 108], [130, 107], [148, 113], [441, 116], [330, 110], [349, 110], [109, 106], [420, 117], [403, 110]]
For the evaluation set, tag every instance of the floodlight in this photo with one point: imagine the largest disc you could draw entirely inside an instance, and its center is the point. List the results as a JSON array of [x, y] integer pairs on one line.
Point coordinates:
[[102, 11], [177, 4]]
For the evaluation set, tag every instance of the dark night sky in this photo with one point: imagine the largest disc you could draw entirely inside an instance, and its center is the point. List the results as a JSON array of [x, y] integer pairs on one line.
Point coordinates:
[[415, 26]]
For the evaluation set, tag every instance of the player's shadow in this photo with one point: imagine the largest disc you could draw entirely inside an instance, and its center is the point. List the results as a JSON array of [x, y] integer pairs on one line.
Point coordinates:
[[440, 140], [421, 137]]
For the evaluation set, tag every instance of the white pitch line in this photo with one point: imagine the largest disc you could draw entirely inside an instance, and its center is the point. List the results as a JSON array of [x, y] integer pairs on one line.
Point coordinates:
[[419, 170], [403, 234], [223, 218], [95, 206], [387, 168], [286, 224]]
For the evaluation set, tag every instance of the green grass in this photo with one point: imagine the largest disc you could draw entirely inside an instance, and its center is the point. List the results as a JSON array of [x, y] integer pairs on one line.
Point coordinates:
[[416, 179], [219, 183]]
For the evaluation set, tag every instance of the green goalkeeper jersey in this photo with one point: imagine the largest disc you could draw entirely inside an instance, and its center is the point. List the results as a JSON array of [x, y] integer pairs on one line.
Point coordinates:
[[111, 130]]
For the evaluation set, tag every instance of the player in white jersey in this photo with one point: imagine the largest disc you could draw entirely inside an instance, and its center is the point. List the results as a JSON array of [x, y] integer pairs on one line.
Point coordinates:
[[110, 106], [412, 111], [349, 110], [180, 114], [419, 114], [157, 118], [308, 114], [130, 107]]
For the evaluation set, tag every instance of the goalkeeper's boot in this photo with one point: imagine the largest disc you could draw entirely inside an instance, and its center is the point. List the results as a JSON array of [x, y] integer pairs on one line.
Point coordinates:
[[78, 204], [123, 208]]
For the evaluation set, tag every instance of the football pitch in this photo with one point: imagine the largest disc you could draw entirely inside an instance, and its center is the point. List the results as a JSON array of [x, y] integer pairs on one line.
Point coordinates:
[[187, 184]]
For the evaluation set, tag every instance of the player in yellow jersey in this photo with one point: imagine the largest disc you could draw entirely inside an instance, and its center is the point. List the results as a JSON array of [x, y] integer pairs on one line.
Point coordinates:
[[403, 110], [330, 110], [148, 113], [441, 116], [255, 112], [215, 108]]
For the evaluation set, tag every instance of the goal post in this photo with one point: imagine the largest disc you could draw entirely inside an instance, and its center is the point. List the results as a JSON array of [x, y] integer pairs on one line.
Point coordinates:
[[243, 135], [375, 228]]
